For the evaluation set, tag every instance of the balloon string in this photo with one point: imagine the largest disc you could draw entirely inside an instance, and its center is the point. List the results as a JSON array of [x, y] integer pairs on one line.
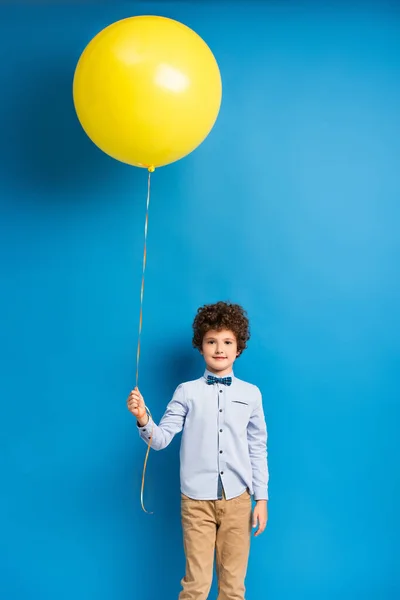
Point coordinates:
[[146, 223], [145, 466]]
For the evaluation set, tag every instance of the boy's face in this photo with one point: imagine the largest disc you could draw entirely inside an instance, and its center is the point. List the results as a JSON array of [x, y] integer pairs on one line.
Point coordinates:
[[220, 351]]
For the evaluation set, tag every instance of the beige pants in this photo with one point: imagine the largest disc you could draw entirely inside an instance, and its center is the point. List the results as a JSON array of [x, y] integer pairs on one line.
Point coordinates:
[[221, 527]]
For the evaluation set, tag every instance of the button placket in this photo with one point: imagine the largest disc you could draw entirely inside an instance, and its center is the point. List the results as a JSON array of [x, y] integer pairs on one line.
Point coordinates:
[[221, 423]]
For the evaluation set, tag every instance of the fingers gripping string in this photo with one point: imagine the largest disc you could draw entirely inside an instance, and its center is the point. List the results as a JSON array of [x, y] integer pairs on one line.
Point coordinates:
[[146, 223]]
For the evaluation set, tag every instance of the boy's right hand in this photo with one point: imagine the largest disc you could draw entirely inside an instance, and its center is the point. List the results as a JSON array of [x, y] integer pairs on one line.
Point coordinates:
[[137, 407]]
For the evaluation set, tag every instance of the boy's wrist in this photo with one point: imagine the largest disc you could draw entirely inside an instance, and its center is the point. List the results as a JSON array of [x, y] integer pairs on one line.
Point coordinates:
[[143, 421]]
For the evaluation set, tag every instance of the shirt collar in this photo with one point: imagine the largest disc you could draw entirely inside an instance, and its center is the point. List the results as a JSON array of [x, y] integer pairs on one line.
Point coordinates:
[[207, 373]]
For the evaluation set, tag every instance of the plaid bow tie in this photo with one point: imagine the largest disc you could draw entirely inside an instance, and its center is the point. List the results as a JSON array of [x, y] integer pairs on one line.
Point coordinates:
[[224, 380]]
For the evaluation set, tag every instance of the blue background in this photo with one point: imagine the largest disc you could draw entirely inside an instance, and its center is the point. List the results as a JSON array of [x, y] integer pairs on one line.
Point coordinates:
[[290, 207]]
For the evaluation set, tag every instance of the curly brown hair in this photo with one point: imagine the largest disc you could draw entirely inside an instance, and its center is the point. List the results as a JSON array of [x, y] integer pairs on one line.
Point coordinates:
[[222, 315]]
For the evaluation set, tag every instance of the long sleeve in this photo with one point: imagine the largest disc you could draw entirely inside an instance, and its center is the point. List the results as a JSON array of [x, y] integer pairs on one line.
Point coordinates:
[[171, 423], [257, 441]]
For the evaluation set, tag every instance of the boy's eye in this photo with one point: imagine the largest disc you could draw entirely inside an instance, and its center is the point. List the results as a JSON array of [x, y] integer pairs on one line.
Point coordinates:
[[228, 342], [210, 341]]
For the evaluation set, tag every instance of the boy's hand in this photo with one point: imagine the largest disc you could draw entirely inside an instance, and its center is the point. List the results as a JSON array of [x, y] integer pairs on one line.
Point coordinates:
[[260, 516], [137, 407]]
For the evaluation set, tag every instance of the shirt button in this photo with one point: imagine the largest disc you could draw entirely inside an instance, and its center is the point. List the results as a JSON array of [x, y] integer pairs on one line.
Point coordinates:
[[220, 391], [221, 451], [222, 472], [220, 430]]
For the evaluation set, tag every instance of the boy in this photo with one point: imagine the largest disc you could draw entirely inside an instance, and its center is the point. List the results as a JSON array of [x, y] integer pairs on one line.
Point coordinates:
[[223, 455]]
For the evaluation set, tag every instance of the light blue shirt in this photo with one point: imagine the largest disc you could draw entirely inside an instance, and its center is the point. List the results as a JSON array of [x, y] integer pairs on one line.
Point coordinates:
[[224, 435]]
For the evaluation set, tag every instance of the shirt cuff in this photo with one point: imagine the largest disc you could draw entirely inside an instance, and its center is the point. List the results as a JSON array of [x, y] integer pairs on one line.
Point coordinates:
[[145, 432], [260, 493]]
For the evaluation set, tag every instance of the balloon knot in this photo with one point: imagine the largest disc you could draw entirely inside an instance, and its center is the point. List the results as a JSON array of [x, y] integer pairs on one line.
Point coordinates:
[[151, 169]]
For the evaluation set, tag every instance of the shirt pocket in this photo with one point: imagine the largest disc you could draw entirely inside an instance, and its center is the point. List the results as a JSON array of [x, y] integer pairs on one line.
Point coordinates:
[[239, 414]]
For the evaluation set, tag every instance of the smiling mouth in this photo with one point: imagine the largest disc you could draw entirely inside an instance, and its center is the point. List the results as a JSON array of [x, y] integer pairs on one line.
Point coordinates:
[[219, 357]]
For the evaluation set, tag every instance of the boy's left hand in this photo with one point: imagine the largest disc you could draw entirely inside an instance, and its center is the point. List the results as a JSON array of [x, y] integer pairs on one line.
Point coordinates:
[[260, 516]]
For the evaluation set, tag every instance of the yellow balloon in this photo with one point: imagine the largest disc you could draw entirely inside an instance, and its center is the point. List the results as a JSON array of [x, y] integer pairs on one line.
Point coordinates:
[[147, 90]]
